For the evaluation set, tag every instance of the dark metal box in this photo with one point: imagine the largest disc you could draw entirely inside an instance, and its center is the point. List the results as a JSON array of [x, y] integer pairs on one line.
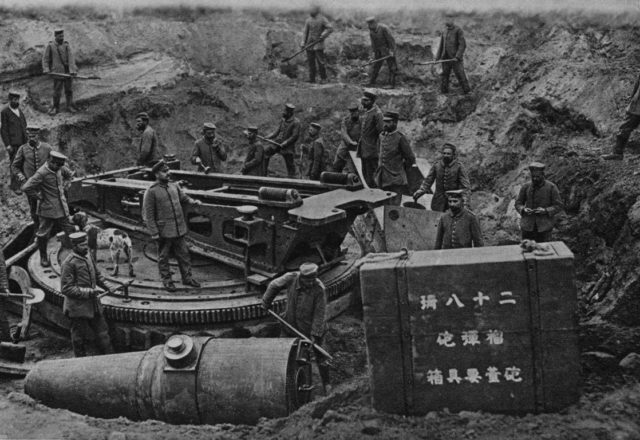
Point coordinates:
[[491, 329]]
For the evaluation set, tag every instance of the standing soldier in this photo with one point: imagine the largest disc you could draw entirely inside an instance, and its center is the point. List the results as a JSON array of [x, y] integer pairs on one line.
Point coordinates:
[[163, 215], [395, 156], [13, 129], [316, 29], [208, 152], [315, 152], [149, 147], [538, 204], [254, 162], [5, 332], [286, 135], [452, 46], [306, 305], [630, 123], [459, 227], [448, 174], [48, 185], [372, 125], [350, 133], [383, 45], [58, 59], [79, 282], [28, 159]]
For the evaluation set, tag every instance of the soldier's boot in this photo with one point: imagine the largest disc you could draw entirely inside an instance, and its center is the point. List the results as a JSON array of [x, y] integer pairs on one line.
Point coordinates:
[[618, 149], [55, 108], [71, 108], [42, 248]]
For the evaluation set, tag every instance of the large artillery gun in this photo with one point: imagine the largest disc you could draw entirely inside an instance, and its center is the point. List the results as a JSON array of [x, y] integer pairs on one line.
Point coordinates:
[[247, 231]]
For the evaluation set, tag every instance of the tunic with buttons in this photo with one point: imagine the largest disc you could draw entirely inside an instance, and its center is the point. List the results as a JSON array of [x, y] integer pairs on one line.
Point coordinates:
[[314, 28], [546, 196], [254, 162], [162, 210], [316, 159], [371, 128], [287, 134], [149, 148], [29, 158], [78, 282], [382, 41], [58, 58], [48, 186], [395, 154], [447, 178], [349, 131], [459, 231], [211, 154]]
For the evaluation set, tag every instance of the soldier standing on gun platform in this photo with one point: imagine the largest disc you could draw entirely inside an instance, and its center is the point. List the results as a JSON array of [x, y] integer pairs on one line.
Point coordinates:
[[58, 58]]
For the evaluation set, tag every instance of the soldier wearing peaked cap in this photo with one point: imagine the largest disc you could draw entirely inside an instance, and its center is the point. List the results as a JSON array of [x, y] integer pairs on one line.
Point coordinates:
[[306, 305], [286, 135], [371, 128], [13, 130], [315, 152], [383, 45], [149, 146], [254, 162], [28, 159], [538, 203], [163, 214], [48, 185], [59, 58], [395, 156], [79, 282], [208, 152], [458, 227], [350, 132]]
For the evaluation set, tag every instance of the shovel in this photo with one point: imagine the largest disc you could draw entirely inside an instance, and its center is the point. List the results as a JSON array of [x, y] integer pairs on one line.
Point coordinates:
[[34, 296], [66, 75], [430, 63], [370, 62], [321, 350], [308, 46]]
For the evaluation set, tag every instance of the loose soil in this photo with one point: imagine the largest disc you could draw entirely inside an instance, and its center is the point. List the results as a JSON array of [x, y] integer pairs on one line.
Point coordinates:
[[549, 87]]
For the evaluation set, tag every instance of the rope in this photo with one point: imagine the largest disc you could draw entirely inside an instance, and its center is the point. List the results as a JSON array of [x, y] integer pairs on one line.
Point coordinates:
[[379, 257]]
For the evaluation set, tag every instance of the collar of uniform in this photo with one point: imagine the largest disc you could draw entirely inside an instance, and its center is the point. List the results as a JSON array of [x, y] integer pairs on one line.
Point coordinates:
[[387, 133], [452, 163], [458, 215], [82, 257], [50, 170], [35, 147]]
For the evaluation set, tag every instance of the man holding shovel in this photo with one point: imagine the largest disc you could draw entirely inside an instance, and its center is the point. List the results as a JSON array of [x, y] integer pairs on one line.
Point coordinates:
[[58, 58], [306, 305], [384, 48], [316, 30], [452, 47]]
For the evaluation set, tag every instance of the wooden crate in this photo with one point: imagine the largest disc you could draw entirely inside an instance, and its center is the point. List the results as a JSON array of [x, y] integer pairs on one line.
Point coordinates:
[[491, 329]]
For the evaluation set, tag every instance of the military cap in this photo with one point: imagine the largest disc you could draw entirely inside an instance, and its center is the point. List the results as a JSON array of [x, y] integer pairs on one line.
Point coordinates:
[[449, 145], [369, 95], [58, 31], [209, 126], [316, 125], [455, 193], [57, 156], [537, 166], [143, 115], [159, 166], [252, 129], [14, 92], [308, 269], [370, 19], [289, 106], [32, 129], [78, 237], [391, 115], [353, 106]]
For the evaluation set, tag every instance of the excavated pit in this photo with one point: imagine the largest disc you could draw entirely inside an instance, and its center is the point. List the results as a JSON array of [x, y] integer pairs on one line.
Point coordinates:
[[550, 87]]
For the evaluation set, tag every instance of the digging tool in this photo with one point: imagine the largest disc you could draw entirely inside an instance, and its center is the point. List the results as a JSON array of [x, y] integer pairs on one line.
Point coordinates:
[[308, 46], [124, 286], [321, 350], [370, 62], [66, 75], [430, 63], [201, 166], [34, 296], [271, 141]]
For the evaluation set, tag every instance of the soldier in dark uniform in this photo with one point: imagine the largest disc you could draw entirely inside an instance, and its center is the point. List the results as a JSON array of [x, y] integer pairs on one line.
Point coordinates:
[[395, 155], [48, 185], [28, 159], [286, 135], [448, 175], [79, 282], [538, 204], [458, 227], [254, 162], [306, 306], [208, 152], [149, 147], [315, 152], [13, 129], [452, 46], [163, 215], [383, 45], [350, 133], [372, 126], [316, 28], [630, 123], [5, 333], [58, 58]]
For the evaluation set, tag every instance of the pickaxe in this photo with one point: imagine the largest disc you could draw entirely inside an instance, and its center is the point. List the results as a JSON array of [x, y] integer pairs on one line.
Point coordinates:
[[321, 350], [428, 63], [308, 46], [66, 75], [368, 63], [34, 296]]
